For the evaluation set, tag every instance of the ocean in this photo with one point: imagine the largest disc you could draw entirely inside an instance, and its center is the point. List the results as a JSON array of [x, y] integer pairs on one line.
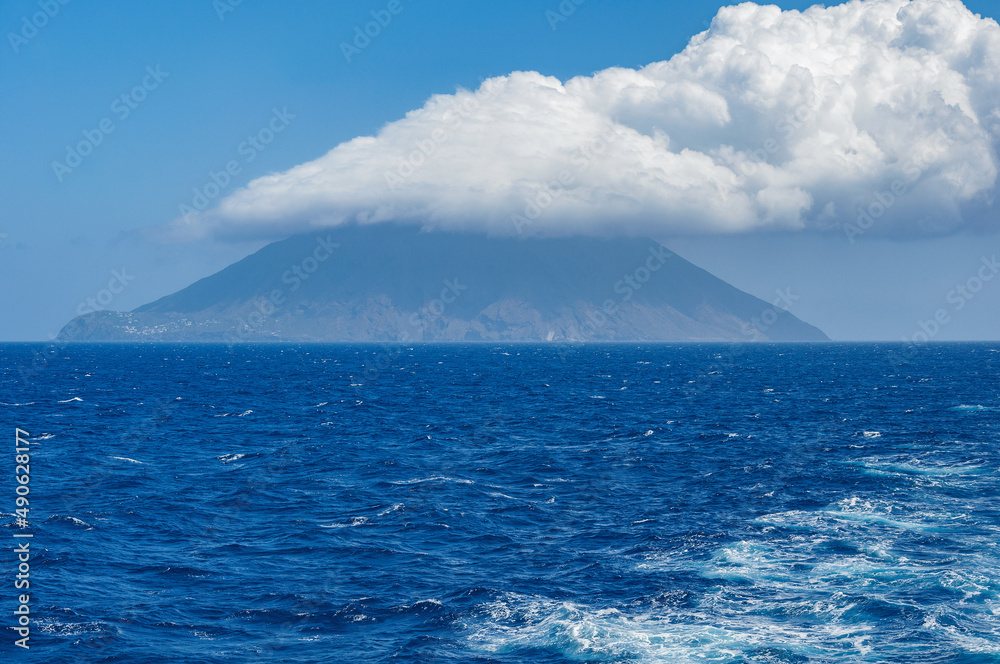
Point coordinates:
[[506, 504]]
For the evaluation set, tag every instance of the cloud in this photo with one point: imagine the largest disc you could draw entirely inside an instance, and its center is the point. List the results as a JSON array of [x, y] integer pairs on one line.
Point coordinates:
[[878, 114]]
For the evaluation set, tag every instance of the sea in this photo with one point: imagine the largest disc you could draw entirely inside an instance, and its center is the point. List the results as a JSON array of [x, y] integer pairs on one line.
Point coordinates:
[[501, 503]]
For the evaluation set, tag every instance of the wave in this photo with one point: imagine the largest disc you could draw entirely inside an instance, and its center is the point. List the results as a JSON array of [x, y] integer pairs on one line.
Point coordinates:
[[519, 625], [354, 522], [67, 629], [436, 478], [71, 520], [243, 414], [921, 467], [832, 584]]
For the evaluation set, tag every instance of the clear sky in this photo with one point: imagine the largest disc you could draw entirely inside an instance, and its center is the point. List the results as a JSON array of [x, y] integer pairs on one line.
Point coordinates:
[[168, 93]]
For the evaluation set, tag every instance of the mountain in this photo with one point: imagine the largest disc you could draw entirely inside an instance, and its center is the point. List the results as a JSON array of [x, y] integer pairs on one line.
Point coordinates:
[[396, 283]]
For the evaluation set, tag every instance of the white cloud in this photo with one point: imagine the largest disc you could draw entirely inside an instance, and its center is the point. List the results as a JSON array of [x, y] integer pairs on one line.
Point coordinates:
[[768, 120]]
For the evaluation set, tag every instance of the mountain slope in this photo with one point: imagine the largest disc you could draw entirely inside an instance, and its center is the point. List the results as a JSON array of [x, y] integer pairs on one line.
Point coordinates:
[[387, 282]]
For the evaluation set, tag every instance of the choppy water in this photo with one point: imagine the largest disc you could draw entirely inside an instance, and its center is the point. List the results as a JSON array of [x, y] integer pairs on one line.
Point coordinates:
[[509, 504]]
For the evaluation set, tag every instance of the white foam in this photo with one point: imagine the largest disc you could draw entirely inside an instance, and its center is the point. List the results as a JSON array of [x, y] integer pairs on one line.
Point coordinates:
[[390, 510], [582, 633], [48, 626], [436, 478], [354, 522], [70, 400], [921, 466], [420, 602], [126, 459], [816, 565], [75, 521]]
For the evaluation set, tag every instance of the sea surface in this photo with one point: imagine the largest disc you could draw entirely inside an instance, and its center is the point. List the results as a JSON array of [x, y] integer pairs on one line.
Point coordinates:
[[505, 503]]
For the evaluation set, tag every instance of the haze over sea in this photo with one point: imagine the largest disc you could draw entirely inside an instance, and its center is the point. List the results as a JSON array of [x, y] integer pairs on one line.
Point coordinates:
[[509, 503]]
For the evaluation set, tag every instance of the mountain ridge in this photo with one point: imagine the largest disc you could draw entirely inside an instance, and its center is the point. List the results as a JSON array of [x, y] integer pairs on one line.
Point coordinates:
[[389, 282]]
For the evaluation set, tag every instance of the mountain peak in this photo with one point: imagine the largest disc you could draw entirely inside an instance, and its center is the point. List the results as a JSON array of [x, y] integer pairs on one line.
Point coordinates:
[[388, 282]]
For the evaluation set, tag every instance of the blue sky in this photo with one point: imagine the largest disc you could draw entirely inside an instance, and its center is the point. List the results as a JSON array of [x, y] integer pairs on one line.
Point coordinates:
[[221, 71]]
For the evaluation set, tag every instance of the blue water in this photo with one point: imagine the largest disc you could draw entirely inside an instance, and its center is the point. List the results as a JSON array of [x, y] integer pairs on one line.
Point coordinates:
[[507, 503]]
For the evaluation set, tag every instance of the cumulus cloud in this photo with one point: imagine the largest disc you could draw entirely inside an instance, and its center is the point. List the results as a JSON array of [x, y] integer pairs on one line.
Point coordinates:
[[880, 114]]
